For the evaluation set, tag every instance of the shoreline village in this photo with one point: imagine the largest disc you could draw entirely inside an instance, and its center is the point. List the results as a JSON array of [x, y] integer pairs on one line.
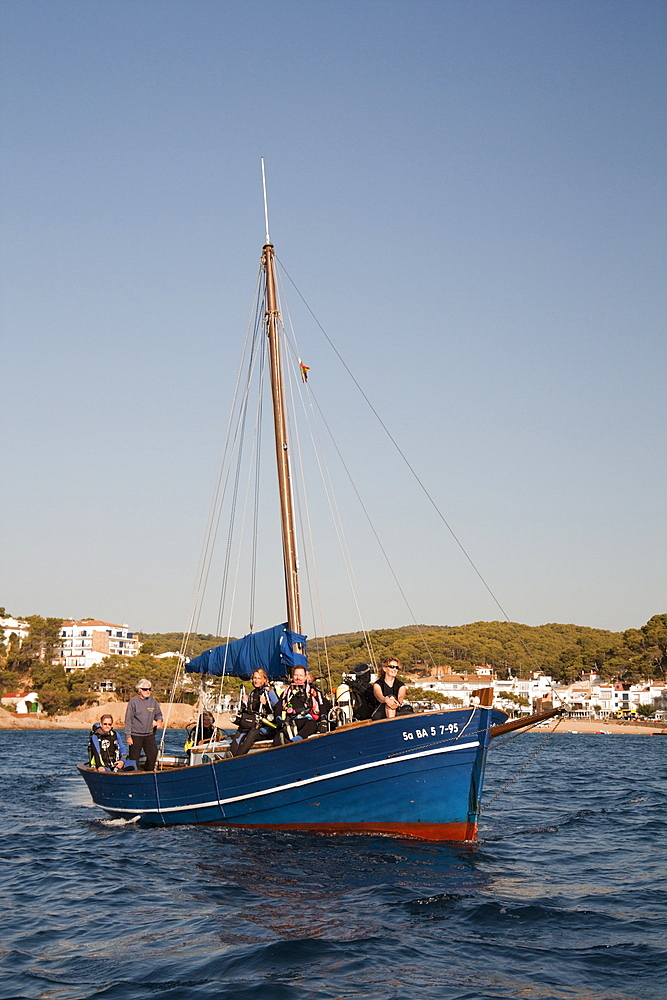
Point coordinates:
[[182, 715]]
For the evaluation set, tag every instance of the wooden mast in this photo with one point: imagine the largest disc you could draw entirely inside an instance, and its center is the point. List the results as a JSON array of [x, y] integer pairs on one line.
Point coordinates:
[[282, 452]]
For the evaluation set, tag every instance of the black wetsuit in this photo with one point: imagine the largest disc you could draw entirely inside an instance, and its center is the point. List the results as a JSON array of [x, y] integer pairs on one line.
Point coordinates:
[[301, 705], [256, 720], [389, 691], [104, 748]]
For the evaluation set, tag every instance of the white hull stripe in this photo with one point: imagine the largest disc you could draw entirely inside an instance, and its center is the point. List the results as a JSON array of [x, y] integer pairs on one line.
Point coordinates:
[[299, 784]]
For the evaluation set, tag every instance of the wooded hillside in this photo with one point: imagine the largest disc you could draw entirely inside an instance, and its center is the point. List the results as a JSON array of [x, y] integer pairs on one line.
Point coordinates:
[[563, 651]]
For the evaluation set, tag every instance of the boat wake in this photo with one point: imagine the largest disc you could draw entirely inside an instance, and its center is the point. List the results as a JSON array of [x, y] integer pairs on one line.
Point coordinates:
[[120, 821]]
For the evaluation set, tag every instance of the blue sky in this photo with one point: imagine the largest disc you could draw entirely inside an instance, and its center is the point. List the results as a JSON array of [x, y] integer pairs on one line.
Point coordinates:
[[469, 195]]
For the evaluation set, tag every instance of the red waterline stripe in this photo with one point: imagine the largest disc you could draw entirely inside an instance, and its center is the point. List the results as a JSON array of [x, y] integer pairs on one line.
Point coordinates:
[[457, 832]]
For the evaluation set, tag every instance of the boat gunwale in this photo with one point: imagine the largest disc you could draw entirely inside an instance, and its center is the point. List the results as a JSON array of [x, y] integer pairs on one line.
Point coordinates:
[[345, 728]]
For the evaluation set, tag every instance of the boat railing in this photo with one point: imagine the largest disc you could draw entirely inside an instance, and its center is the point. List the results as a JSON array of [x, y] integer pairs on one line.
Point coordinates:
[[209, 751]]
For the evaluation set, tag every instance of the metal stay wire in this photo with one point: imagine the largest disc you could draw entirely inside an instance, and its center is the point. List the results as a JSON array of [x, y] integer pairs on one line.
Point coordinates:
[[259, 340], [219, 493], [405, 459], [319, 450], [327, 483], [303, 509]]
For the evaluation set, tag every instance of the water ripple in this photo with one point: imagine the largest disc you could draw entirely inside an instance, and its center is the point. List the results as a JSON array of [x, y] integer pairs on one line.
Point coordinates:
[[563, 898]]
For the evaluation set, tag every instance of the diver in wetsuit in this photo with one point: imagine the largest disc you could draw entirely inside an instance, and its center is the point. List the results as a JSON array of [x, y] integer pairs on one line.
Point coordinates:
[[106, 748], [255, 721], [300, 709]]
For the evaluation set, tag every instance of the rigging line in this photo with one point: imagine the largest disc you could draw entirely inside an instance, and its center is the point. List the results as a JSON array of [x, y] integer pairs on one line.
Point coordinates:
[[213, 518], [258, 457], [291, 350], [258, 340], [330, 494], [307, 536], [220, 488], [298, 484], [523, 768], [373, 529], [399, 450], [254, 451], [241, 440], [241, 532]]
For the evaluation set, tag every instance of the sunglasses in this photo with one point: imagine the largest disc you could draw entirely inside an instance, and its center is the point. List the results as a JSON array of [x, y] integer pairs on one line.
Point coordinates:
[[145, 689]]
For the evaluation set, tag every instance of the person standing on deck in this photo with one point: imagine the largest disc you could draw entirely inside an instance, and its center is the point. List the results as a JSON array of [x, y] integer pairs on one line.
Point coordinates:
[[141, 719]]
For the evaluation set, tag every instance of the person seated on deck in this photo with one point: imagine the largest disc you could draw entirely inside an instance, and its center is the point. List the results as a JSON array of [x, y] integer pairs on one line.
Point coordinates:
[[106, 748], [299, 709], [389, 691], [203, 731], [255, 720], [326, 704]]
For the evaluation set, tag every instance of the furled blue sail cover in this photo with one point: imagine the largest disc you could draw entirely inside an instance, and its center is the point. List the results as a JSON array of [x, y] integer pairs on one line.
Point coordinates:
[[271, 649]]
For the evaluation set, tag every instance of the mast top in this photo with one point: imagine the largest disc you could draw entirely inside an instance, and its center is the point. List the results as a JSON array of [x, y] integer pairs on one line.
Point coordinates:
[[266, 205]]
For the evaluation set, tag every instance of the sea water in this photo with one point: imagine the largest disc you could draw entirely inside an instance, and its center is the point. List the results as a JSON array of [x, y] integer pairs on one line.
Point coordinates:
[[564, 896]]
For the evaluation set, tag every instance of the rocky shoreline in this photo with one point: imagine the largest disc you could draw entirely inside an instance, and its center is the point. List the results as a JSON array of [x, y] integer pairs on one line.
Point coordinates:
[[177, 716]]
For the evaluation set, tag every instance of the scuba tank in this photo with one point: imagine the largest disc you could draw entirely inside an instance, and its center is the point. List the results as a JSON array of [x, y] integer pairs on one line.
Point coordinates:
[[344, 701]]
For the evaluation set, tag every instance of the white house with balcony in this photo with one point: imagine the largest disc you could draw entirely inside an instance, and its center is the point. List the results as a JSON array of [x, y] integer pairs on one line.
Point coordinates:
[[14, 627], [457, 686], [536, 689], [86, 642], [655, 695]]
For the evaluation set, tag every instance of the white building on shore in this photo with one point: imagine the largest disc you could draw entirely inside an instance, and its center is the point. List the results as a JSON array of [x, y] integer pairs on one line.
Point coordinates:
[[592, 699], [535, 690], [86, 642], [14, 627]]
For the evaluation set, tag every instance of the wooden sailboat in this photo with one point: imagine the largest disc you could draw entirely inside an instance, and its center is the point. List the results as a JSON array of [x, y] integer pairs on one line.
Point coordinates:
[[417, 775]]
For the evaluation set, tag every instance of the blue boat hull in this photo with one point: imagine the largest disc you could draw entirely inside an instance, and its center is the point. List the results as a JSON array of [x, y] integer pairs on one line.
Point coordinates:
[[416, 775]]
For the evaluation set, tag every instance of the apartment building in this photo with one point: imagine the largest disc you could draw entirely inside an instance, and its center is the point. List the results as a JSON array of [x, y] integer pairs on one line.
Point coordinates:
[[86, 642]]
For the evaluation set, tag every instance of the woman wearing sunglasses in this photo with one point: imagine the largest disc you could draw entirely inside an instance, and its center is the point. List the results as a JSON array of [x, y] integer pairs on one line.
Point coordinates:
[[389, 691]]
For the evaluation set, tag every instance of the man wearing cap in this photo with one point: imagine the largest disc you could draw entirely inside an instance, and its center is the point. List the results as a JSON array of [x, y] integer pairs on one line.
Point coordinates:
[[141, 719]]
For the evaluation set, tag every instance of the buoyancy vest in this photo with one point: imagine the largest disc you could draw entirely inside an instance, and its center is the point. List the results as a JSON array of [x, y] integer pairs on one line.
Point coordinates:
[[104, 749], [258, 713], [301, 701], [261, 702]]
